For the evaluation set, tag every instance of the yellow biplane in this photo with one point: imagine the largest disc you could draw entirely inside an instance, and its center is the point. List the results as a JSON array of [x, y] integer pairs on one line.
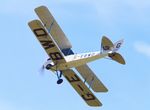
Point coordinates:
[[62, 59]]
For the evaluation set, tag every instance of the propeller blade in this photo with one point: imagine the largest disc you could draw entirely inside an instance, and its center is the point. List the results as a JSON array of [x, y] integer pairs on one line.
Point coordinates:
[[41, 70], [117, 57]]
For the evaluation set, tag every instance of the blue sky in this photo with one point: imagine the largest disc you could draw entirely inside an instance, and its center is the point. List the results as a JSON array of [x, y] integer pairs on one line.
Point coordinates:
[[84, 22]]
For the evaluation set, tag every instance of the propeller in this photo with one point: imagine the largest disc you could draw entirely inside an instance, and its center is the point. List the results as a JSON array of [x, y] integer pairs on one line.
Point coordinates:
[[42, 70], [58, 73]]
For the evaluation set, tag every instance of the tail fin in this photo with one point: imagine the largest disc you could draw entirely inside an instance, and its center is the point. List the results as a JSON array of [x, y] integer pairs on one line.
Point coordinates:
[[108, 46]]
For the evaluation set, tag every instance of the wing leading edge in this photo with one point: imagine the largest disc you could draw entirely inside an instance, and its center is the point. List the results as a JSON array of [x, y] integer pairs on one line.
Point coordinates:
[[81, 88]]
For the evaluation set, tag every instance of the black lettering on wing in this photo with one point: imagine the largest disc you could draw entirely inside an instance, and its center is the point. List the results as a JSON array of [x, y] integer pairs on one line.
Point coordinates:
[[72, 79], [47, 44], [88, 97], [40, 32], [56, 56], [80, 87]]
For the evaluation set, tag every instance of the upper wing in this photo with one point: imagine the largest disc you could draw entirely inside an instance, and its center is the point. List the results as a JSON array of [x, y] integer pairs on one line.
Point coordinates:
[[91, 78], [81, 88], [47, 41], [52, 26]]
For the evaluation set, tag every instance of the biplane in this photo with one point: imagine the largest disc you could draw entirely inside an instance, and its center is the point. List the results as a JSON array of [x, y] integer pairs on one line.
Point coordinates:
[[62, 59]]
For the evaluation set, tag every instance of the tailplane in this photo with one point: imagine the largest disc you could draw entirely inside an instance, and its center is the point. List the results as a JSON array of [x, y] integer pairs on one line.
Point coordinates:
[[108, 46]]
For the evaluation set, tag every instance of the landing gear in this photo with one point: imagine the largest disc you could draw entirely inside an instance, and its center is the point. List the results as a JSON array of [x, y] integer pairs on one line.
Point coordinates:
[[59, 81], [48, 66]]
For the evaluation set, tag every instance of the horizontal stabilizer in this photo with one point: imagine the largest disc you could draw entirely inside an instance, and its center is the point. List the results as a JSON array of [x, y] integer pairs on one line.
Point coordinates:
[[106, 44], [117, 57], [117, 45]]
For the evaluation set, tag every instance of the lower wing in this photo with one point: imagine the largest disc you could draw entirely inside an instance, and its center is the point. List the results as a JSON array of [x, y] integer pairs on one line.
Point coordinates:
[[47, 41], [91, 78], [81, 88]]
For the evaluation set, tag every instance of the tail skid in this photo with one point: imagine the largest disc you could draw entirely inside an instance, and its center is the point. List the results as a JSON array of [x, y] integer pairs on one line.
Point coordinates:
[[107, 46]]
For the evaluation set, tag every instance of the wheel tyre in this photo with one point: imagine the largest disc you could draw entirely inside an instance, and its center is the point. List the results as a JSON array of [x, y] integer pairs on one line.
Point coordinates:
[[59, 81], [48, 66]]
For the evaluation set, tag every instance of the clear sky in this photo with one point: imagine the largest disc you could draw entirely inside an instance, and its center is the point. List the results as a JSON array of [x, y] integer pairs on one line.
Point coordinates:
[[84, 23]]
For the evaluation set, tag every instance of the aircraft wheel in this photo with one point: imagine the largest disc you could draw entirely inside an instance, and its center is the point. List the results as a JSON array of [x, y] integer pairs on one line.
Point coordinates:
[[59, 81], [48, 66]]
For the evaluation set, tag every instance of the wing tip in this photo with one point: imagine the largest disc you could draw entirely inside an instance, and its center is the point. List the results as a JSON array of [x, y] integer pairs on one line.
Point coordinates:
[[98, 104], [42, 6], [100, 90]]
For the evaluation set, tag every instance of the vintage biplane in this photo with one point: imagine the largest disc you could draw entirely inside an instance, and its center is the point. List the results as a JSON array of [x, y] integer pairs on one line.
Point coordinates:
[[62, 59]]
